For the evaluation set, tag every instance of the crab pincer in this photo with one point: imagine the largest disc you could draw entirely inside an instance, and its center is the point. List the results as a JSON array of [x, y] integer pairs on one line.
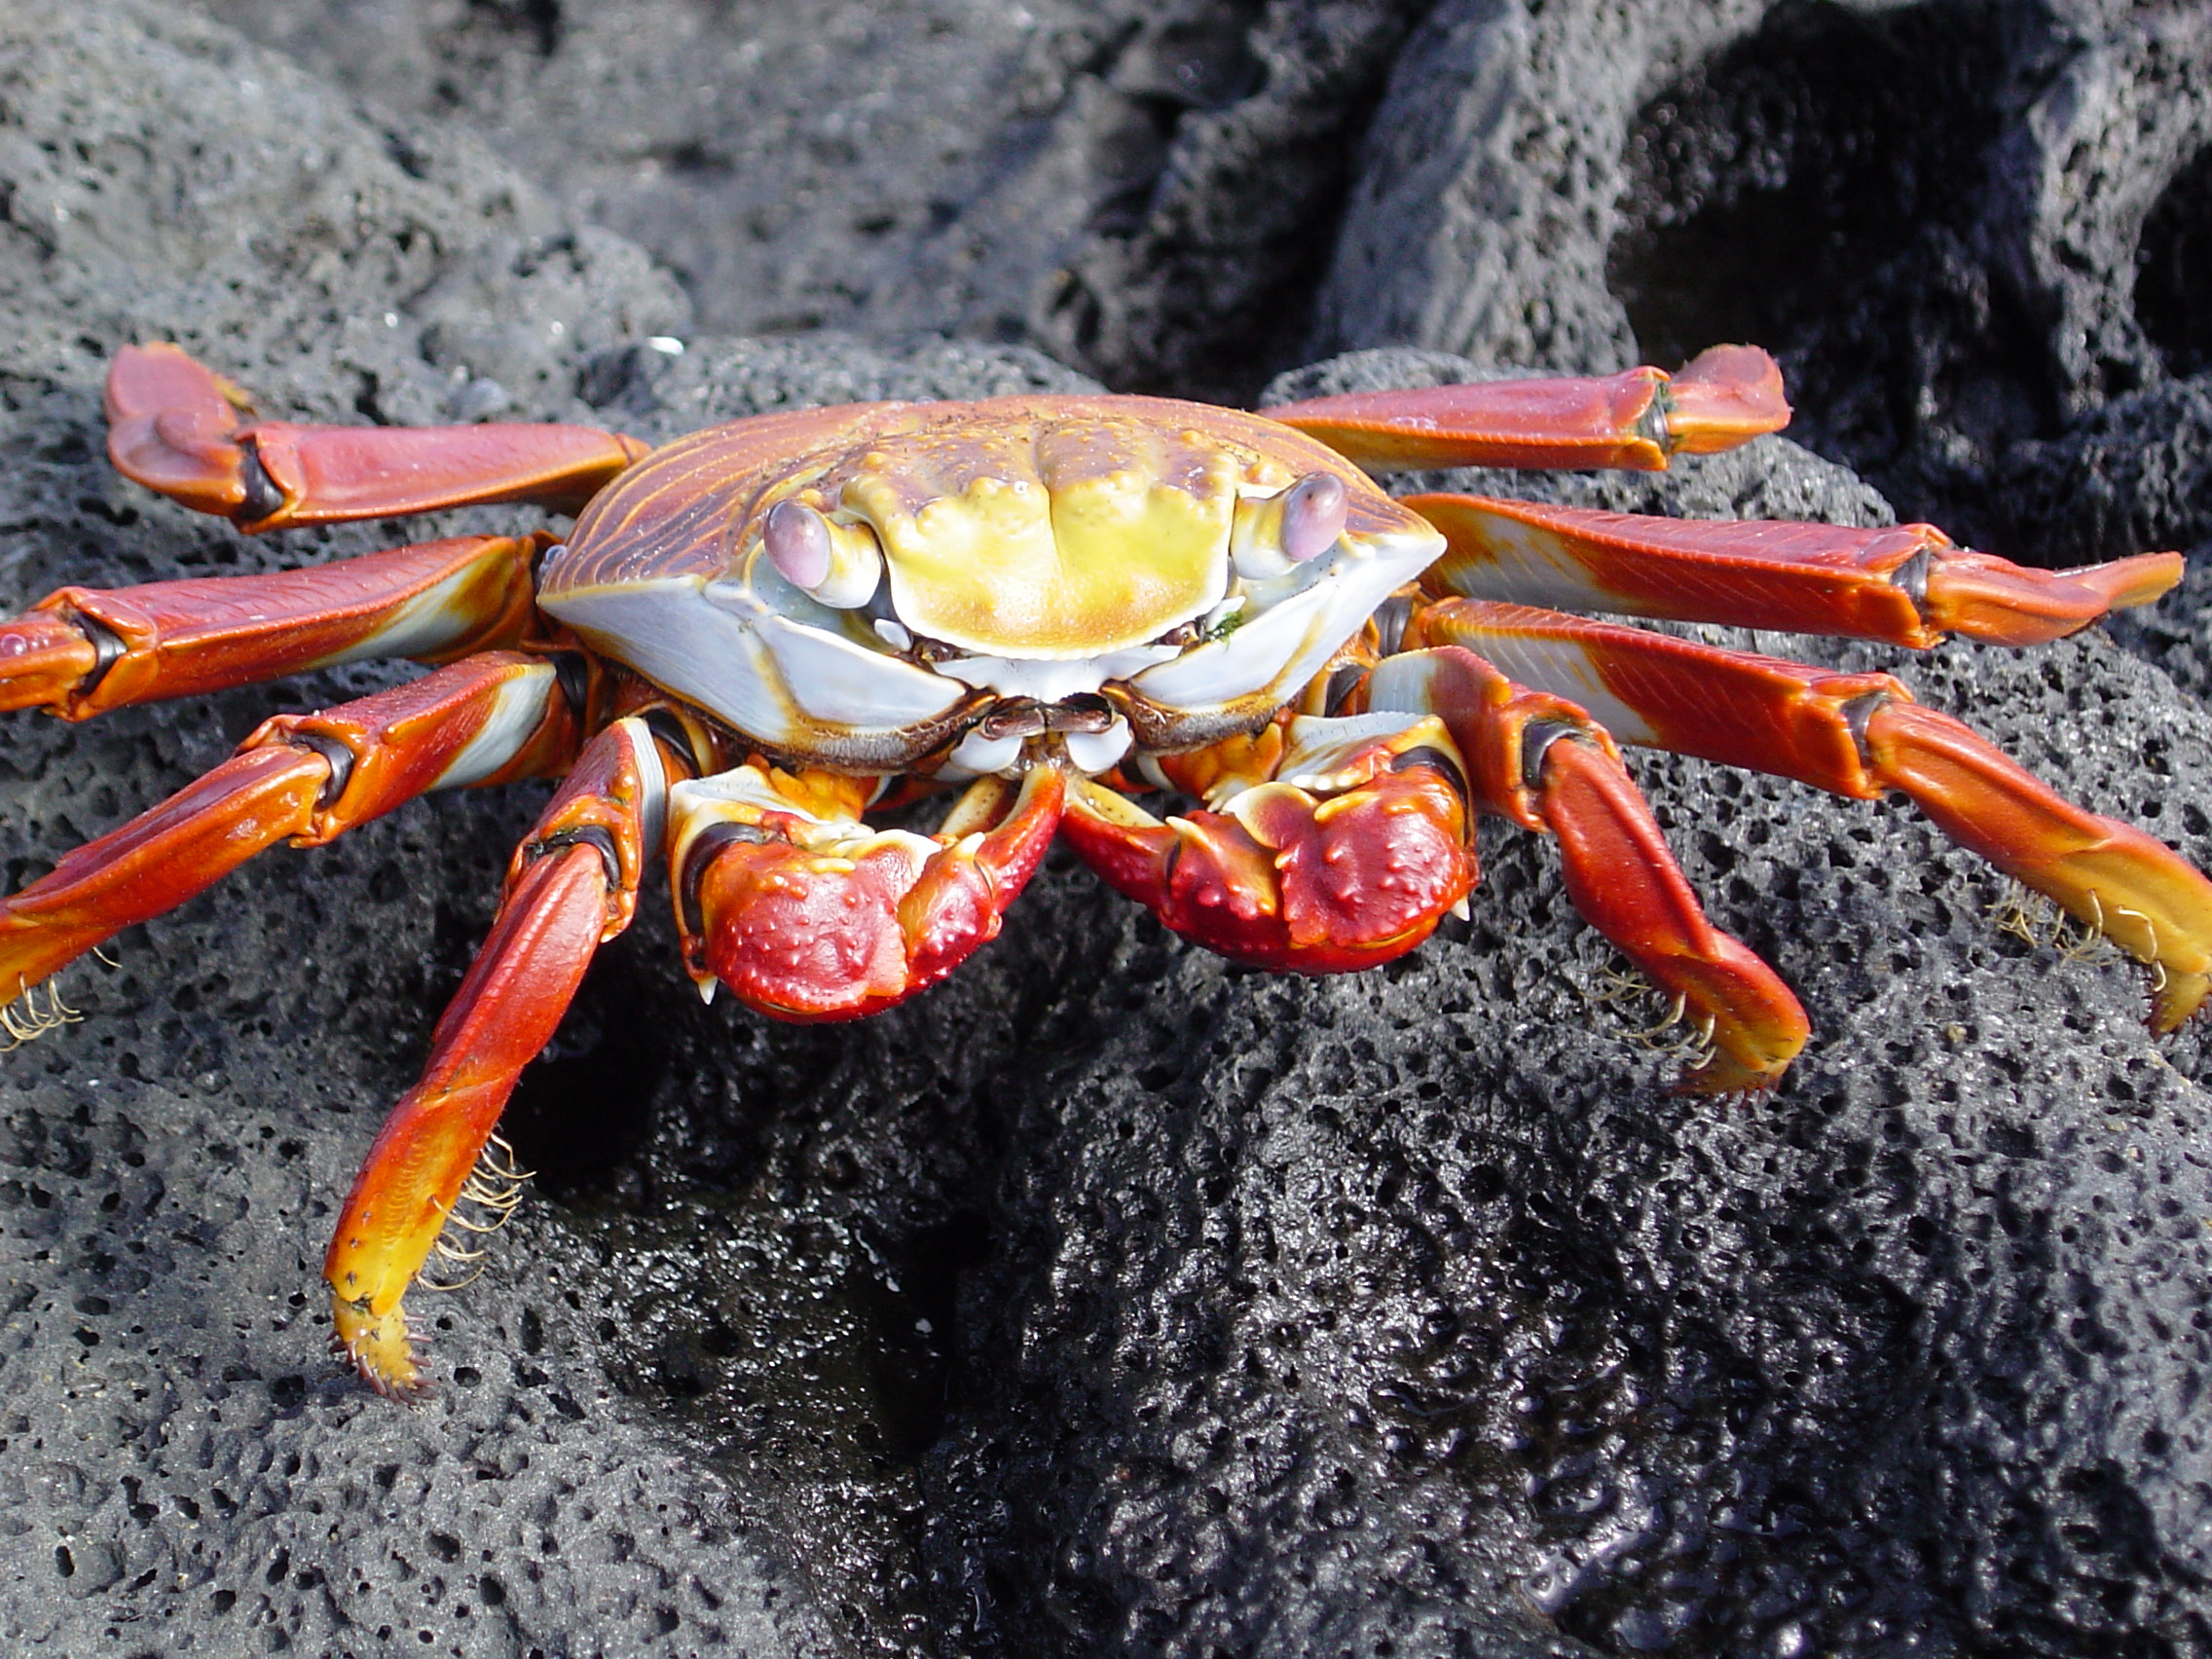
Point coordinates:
[[1346, 857], [808, 913]]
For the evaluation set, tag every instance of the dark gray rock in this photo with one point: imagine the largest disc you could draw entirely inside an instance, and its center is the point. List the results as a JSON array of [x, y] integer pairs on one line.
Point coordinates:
[[1962, 226], [1109, 1298], [1144, 190]]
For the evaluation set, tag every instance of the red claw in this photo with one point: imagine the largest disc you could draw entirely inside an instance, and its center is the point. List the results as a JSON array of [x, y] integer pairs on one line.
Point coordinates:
[[815, 917], [1317, 872]]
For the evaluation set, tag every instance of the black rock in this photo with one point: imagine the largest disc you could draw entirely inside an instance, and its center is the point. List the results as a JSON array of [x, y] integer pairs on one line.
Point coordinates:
[[1145, 190], [1962, 226]]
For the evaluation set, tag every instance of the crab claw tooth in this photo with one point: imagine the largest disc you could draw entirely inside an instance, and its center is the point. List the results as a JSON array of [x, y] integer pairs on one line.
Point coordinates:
[[810, 917], [1352, 864]]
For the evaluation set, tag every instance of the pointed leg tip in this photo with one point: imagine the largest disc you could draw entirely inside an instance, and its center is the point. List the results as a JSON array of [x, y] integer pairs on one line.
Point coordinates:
[[1725, 396], [2142, 579], [2179, 1000], [381, 1349], [1724, 1077]]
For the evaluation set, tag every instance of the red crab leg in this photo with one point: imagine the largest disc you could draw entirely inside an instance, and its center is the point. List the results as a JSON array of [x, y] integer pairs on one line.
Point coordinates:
[[806, 913], [1348, 851], [1539, 760], [180, 428], [1909, 585], [1634, 421], [81, 651], [572, 886], [306, 778], [1858, 735]]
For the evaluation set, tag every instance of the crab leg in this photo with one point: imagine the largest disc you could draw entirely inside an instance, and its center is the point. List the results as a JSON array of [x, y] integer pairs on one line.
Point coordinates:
[[1858, 735], [182, 429], [572, 886], [806, 913], [1541, 761], [81, 651], [1329, 847], [1909, 584], [306, 778], [1634, 421]]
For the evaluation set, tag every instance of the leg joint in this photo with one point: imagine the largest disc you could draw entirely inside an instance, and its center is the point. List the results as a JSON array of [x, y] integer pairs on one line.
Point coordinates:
[[1436, 761], [593, 835], [702, 852], [1859, 717], [109, 647], [341, 761], [1536, 740], [264, 496]]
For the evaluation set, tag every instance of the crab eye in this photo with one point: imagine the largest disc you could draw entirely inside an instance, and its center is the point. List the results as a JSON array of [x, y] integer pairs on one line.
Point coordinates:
[[1298, 524], [1312, 516], [839, 564]]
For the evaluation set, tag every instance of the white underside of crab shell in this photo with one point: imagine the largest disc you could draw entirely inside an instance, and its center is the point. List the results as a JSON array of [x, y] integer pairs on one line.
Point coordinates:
[[966, 557]]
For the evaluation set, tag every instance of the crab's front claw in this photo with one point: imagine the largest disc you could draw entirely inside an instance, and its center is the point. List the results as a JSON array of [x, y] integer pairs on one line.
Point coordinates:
[[173, 425], [1349, 857], [806, 913], [180, 428]]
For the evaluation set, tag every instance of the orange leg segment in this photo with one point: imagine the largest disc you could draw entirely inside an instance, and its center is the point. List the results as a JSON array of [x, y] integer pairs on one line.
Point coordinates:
[[1536, 758], [1634, 421], [306, 778], [573, 885], [503, 1014], [182, 429], [1909, 585], [1858, 735], [81, 651]]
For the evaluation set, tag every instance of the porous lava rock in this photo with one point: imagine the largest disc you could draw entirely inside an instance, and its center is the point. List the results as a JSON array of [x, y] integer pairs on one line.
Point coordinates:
[[1109, 1298], [1963, 225], [1144, 188]]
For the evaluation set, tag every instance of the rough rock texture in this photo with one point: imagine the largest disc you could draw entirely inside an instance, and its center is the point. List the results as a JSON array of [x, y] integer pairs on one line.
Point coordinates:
[[1962, 225], [1110, 1299], [1143, 189]]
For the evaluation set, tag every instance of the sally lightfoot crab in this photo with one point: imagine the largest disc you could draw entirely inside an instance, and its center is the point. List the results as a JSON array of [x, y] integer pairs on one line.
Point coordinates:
[[755, 636]]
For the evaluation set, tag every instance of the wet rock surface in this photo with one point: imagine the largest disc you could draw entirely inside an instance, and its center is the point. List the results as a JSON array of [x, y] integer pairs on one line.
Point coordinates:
[[1110, 1299]]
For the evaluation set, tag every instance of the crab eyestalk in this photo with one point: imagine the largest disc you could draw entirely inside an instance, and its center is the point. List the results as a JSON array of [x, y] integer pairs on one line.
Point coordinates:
[[1269, 534], [839, 564]]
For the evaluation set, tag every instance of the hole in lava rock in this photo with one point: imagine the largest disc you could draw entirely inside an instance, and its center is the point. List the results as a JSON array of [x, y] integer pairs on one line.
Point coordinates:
[[2173, 270], [916, 1390], [581, 1110], [1813, 189]]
